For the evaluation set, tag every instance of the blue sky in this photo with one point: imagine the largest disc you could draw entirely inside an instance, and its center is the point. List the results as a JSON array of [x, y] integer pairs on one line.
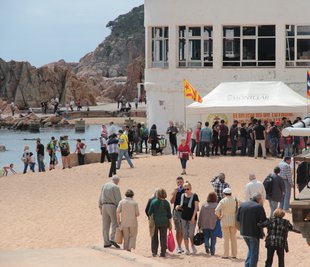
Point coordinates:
[[43, 31]]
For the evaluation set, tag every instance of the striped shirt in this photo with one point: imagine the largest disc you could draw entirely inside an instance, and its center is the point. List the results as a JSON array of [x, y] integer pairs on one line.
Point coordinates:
[[285, 171], [226, 211]]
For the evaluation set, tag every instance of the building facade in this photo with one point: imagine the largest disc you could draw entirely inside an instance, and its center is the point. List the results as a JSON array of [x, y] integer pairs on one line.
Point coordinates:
[[212, 41]]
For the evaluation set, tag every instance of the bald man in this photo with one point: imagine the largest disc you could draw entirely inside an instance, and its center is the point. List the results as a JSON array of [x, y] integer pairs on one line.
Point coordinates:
[[254, 187]]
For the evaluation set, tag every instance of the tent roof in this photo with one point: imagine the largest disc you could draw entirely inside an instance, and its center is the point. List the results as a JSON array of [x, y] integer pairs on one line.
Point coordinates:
[[245, 97]]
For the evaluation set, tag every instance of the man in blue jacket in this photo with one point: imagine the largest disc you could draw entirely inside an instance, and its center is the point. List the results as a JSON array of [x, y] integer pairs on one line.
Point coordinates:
[[249, 214], [205, 140]]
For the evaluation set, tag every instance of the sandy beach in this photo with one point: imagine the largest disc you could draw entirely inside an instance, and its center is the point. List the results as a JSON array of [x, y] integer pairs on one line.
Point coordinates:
[[59, 209]]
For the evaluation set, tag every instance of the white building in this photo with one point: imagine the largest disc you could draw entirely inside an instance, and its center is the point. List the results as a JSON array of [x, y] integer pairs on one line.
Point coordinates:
[[212, 41]]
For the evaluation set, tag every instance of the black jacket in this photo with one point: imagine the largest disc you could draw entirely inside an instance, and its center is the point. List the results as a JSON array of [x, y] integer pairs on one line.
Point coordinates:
[[249, 214], [278, 188]]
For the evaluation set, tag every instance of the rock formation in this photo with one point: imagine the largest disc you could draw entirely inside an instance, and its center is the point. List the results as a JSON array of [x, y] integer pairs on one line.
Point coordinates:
[[114, 68]]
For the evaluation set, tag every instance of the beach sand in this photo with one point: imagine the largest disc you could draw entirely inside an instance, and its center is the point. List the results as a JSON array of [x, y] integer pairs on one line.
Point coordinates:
[[59, 209]]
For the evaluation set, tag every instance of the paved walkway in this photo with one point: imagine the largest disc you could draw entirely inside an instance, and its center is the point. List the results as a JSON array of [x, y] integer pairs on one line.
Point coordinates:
[[74, 257]]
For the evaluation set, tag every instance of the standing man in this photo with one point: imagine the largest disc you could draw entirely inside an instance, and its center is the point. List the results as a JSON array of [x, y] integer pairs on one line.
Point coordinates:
[[197, 139], [80, 151], [113, 153], [144, 134], [254, 187], [243, 138], [205, 140], [226, 212], [65, 151], [108, 201], [177, 214], [259, 137], [219, 184], [103, 147], [277, 191], [233, 134], [249, 214], [40, 155], [173, 131], [123, 150], [223, 138], [273, 135], [285, 173]]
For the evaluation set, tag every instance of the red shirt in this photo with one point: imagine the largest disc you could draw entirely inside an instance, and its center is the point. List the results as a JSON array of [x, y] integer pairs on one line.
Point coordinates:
[[184, 151], [197, 133]]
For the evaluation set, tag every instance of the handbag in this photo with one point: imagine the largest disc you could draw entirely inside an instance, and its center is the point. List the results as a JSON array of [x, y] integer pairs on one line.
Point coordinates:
[[170, 241], [118, 236], [150, 140], [237, 223], [199, 238]]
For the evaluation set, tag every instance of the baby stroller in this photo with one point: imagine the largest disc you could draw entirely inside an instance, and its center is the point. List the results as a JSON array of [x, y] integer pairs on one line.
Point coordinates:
[[161, 144]]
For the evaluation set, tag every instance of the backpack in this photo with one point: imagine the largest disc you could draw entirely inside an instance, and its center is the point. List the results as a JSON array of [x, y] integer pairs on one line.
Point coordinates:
[[145, 133], [268, 182]]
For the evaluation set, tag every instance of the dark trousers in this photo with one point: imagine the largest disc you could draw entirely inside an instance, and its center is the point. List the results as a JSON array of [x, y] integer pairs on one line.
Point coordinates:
[[25, 167], [215, 146], [104, 153], [163, 240], [81, 158], [223, 145], [233, 147], [250, 144], [205, 148], [243, 142], [198, 151], [141, 144], [270, 253], [174, 146], [193, 145], [113, 158]]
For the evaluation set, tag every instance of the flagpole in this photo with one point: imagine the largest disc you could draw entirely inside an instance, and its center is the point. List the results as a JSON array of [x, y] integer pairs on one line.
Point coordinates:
[[185, 113]]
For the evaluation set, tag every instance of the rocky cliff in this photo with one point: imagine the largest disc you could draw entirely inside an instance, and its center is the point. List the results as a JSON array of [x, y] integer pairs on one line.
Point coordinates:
[[114, 68]]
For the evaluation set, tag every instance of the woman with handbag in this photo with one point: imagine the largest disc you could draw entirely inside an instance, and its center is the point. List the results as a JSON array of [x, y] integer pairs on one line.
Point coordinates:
[[184, 153], [189, 206], [207, 222], [160, 209], [153, 139], [126, 214]]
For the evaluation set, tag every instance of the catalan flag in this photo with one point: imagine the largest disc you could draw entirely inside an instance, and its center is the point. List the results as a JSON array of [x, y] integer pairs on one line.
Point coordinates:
[[191, 93], [308, 84]]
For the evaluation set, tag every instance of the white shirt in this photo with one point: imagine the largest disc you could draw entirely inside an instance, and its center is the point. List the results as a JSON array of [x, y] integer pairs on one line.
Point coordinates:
[[254, 187]]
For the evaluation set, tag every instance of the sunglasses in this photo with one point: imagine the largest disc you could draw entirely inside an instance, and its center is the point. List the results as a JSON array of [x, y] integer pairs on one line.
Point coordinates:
[[186, 189]]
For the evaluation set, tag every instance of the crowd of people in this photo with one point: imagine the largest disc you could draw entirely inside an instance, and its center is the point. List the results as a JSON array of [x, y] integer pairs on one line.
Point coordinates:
[[249, 137], [220, 215]]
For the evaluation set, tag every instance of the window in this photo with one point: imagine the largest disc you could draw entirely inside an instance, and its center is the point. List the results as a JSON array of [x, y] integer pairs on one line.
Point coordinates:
[[297, 46], [195, 46], [160, 47], [249, 46]]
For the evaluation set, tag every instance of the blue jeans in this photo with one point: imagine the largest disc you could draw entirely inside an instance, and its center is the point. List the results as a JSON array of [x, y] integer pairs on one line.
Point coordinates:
[[174, 147], [183, 163], [32, 165], [121, 153], [208, 234], [41, 165], [253, 252], [25, 167], [274, 142], [288, 150], [273, 206], [285, 202]]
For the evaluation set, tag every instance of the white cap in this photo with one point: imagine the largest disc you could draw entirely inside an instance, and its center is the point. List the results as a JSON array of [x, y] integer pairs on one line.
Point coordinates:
[[115, 177], [227, 191]]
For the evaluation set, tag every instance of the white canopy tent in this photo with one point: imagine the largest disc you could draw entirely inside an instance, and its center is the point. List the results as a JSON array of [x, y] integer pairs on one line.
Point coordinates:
[[248, 97]]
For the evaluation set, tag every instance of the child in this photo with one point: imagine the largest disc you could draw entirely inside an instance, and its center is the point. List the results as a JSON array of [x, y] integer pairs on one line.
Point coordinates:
[[184, 153], [6, 169], [31, 161]]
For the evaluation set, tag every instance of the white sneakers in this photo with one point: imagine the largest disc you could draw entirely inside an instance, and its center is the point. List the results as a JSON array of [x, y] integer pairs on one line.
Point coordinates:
[[179, 250]]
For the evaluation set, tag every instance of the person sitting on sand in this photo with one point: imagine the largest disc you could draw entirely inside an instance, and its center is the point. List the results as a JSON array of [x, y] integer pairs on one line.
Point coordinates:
[[6, 169]]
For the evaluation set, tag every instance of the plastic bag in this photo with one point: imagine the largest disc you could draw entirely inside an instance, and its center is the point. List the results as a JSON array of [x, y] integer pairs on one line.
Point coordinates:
[[170, 241]]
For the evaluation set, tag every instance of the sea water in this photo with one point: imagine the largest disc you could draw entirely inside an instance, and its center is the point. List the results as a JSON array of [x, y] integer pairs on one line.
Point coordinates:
[[15, 141]]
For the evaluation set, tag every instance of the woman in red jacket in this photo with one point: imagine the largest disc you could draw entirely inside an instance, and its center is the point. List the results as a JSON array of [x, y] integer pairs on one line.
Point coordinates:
[[184, 153]]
